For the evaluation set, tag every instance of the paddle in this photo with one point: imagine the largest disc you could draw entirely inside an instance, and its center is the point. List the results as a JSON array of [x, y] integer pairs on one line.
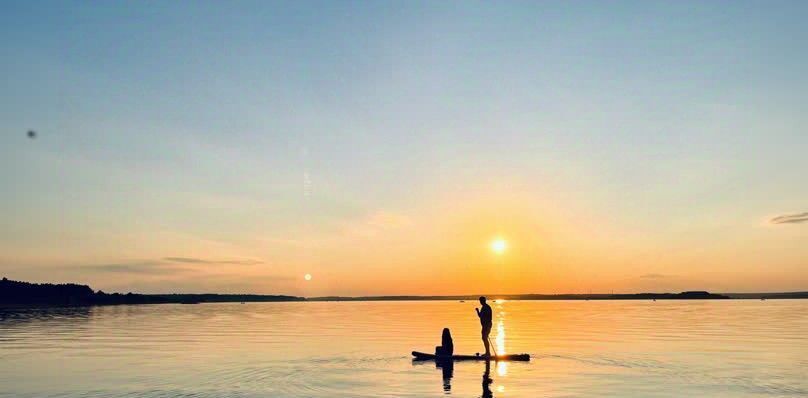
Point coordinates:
[[491, 343]]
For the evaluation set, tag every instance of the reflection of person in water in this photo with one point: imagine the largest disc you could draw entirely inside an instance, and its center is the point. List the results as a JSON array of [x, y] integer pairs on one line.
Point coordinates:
[[447, 367], [487, 380]]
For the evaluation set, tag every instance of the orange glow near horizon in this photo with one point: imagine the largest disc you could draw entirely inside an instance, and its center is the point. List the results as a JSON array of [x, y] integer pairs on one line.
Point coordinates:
[[505, 245]]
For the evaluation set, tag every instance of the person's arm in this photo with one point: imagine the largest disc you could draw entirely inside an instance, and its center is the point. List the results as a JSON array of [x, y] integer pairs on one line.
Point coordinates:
[[478, 312]]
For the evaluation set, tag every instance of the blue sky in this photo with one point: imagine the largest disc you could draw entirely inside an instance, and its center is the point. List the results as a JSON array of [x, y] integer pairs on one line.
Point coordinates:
[[227, 131]]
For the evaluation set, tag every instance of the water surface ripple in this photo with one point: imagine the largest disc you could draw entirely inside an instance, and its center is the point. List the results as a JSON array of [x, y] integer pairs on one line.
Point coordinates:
[[361, 349]]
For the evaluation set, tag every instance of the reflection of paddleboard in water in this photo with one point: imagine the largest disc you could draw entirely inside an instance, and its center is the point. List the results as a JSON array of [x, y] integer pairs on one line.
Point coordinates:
[[422, 356]]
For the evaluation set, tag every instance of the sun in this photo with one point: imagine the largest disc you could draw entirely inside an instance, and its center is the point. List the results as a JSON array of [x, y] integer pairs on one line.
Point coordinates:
[[307, 277], [499, 245]]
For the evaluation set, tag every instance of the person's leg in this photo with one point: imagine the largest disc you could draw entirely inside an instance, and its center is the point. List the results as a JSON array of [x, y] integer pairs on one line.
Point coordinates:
[[486, 332]]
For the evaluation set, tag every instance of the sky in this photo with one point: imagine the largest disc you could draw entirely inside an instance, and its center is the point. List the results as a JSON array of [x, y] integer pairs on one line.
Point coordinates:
[[380, 147]]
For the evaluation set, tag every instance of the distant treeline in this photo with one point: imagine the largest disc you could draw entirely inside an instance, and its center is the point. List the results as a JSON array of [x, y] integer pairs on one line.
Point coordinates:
[[13, 293], [693, 295], [764, 296], [24, 293]]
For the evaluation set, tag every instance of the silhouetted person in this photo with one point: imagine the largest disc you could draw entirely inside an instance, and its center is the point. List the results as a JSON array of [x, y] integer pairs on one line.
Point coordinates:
[[485, 315], [446, 347]]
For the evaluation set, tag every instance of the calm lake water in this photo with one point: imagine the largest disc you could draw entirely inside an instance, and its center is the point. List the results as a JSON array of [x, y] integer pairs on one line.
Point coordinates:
[[362, 349]]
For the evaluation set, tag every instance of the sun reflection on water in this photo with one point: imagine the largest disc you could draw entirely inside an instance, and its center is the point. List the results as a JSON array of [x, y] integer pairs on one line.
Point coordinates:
[[502, 368], [499, 341]]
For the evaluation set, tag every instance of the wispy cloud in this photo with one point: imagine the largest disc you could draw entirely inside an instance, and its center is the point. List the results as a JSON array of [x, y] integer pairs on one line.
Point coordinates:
[[163, 266], [193, 260], [653, 276], [375, 224], [387, 220], [143, 267], [790, 218]]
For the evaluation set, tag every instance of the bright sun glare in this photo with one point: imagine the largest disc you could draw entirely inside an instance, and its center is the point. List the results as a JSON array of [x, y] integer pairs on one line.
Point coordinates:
[[499, 245]]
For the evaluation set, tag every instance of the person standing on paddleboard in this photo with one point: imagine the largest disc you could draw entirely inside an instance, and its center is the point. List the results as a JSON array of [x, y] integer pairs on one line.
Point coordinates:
[[485, 314]]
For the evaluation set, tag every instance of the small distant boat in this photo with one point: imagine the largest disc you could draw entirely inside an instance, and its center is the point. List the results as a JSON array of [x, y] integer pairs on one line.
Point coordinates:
[[422, 356], [462, 301]]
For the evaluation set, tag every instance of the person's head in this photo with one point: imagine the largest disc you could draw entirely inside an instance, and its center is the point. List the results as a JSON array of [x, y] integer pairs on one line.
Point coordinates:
[[482, 299], [446, 334]]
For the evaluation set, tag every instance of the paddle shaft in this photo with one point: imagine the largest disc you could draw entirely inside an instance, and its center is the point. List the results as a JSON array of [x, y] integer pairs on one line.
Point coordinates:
[[491, 344]]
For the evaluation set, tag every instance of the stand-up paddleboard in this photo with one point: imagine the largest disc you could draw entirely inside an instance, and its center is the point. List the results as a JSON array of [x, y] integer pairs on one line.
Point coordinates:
[[422, 356]]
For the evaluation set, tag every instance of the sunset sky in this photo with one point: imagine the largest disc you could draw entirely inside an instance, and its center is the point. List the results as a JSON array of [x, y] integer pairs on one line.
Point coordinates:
[[382, 147]]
